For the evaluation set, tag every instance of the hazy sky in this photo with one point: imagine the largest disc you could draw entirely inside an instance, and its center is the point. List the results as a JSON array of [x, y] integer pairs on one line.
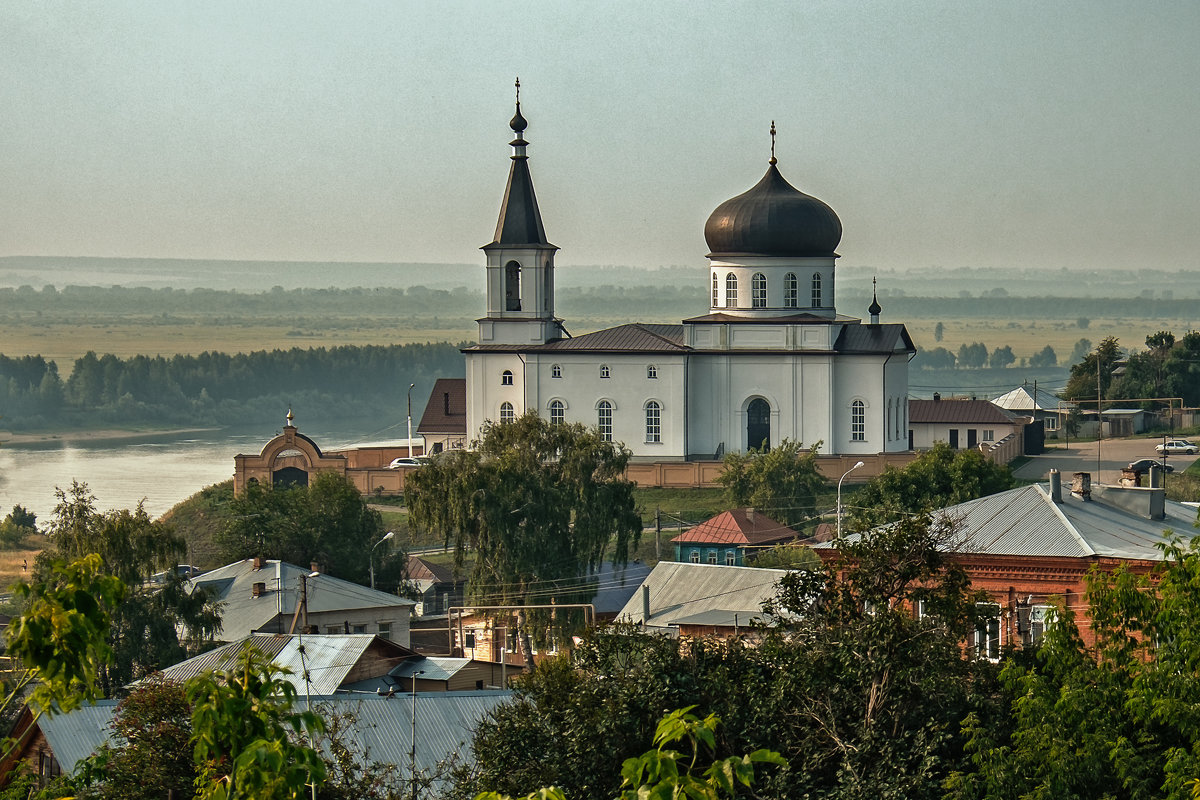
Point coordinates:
[[1035, 133]]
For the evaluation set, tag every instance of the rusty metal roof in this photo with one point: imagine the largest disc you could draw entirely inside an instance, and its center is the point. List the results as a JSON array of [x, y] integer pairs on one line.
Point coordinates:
[[739, 526], [957, 411], [446, 409]]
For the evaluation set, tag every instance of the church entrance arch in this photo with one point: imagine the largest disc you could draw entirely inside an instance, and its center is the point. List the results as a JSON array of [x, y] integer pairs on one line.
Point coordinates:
[[758, 424]]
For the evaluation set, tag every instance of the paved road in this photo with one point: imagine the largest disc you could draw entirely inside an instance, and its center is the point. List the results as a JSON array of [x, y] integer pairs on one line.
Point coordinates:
[[1115, 454]]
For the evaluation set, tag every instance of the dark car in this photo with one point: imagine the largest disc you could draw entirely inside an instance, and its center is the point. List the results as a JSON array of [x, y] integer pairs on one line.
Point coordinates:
[[1144, 465]]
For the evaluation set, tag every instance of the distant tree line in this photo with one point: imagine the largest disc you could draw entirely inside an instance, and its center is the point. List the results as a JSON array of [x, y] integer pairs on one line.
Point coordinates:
[[976, 356], [1168, 367], [219, 388]]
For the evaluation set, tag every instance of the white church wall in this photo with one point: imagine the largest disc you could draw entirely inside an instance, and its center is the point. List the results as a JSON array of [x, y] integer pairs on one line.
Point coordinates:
[[486, 390], [860, 378]]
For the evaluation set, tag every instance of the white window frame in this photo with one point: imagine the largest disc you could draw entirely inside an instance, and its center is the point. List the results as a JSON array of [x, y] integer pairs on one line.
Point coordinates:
[[695, 557], [1039, 618], [816, 290], [385, 630], [758, 290], [791, 291], [605, 372], [858, 421], [558, 412], [988, 635], [731, 558], [716, 290], [712, 557], [653, 422], [604, 420], [652, 372], [555, 370], [731, 290], [507, 412], [506, 378], [989, 435]]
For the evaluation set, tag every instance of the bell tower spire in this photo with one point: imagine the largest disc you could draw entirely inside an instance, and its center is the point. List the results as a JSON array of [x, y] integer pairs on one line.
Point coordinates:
[[520, 260]]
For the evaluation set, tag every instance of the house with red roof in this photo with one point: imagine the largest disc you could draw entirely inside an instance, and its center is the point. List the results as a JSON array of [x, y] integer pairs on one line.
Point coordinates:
[[730, 537]]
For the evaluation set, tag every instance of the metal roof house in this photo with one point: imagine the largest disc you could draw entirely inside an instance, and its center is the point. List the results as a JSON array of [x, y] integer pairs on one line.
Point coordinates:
[[1031, 548], [701, 599], [269, 596], [382, 728], [731, 536]]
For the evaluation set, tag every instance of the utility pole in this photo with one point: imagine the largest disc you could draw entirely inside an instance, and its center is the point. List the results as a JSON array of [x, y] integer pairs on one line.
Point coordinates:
[[657, 534], [1099, 416], [413, 754]]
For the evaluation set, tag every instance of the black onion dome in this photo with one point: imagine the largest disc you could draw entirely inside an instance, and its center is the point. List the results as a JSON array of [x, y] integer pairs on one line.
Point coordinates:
[[874, 308], [518, 123], [774, 218]]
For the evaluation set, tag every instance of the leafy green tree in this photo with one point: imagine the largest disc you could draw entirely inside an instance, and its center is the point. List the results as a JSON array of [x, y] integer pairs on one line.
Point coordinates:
[[1080, 351], [327, 522], [1001, 357], [245, 733], [782, 482], [937, 358], [1097, 366], [1046, 357], [972, 355], [151, 756], [533, 502], [18, 525], [142, 554], [936, 478], [664, 773], [1120, 718]]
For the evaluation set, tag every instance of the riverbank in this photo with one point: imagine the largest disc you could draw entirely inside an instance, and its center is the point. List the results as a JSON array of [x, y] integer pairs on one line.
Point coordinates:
[[99, 435]]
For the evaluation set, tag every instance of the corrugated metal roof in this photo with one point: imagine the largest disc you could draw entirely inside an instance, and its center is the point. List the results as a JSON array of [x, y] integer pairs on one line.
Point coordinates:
[[242, 612], [874, 339], [446, 722], [635, 337], [1026, 522], [738, 526], [327, 658], [1022, 399], [436, 668], [681, 591], [75, 736], [964, 411]]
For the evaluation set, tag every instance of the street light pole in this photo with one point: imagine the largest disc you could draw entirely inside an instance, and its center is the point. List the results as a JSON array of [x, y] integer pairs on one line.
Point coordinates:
[[839, 498], [410, 388], [413, 755], [386, 536]]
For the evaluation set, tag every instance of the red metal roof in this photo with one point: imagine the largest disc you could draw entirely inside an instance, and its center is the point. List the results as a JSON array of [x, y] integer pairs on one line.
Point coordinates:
[[739, 526], [965, 411]]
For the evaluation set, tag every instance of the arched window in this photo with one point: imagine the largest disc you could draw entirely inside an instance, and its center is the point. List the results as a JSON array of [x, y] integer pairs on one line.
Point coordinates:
[[758, 424], [651, 371], [506, 378], [604, 420], [731, 290], [858, 421], [555, 371], [816, 290], [512, 286], [716, 293], [604, 371], [758, 290], [506, 412], [557, 412], [790, 292], [653, 422]]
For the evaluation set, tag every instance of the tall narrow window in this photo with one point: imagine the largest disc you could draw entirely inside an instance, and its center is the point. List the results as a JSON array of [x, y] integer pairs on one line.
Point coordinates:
[[512, 286], [858, 421], [731, 290], [889, 418], [816, 290], [506, 378], [987, 631], [557, 412], [547, 288], [506, 412], [716, 293], [653, 422], [758, 290], [604, 371], [604, 420], [790, 291]]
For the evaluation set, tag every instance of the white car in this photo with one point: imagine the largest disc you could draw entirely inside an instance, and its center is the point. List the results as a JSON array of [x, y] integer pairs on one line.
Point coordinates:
[[401, 463], [1177, 446]]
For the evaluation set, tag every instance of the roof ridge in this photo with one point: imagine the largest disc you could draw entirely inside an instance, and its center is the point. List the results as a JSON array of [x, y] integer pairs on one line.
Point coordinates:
[[1070, 526], [642, 326]]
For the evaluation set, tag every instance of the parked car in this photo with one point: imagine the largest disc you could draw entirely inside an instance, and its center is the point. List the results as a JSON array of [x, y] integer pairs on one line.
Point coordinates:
[[1143, 465], [402, 462], [1177, 446]]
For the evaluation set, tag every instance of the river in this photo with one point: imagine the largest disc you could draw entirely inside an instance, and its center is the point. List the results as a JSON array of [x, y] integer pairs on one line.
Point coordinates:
[[159, 470]]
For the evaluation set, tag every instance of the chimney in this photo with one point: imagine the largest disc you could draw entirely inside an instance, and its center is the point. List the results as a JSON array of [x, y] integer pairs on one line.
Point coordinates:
[[314, 567], [1056, 486], [258, 589], [446, 403], [937, 396], [750, 515], [258, 563], [1081, 484]]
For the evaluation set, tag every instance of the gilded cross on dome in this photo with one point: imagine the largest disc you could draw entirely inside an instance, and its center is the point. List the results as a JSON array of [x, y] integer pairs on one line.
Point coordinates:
[[773, 161]]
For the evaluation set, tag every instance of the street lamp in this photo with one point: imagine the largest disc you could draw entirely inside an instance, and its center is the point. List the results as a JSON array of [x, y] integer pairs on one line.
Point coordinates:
[[410, 388], [413, 755], [839, 497], [386, 536]]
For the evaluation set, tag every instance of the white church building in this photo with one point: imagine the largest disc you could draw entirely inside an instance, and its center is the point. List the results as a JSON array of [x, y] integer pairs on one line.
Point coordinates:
[[771, 359]]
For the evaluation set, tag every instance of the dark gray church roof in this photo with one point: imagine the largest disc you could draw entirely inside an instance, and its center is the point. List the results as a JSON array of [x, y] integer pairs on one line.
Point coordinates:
[[773, 218], [871, 339], [520, 223]]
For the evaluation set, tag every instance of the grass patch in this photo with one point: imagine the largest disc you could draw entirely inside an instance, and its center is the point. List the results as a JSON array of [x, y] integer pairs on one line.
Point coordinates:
[[690, 505], [16, 563]]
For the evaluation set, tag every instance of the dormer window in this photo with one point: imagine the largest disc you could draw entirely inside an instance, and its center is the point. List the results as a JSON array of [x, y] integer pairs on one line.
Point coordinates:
[[651, 371], [506, 378], [604, 373]]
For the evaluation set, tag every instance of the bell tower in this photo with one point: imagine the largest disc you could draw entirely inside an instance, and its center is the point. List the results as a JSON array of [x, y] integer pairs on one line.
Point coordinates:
[[520, 261]]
